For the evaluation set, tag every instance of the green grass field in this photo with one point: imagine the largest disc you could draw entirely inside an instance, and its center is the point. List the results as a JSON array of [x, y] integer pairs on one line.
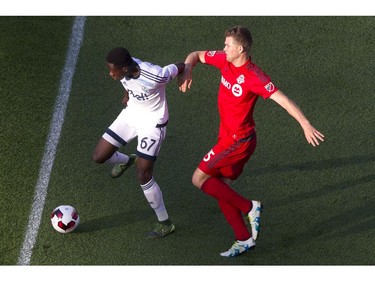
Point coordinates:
[[319, 202]]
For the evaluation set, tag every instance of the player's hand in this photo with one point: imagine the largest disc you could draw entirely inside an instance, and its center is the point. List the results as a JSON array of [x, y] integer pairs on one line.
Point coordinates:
[[313, 136], [125, 99], [185, 85], [184, 80]]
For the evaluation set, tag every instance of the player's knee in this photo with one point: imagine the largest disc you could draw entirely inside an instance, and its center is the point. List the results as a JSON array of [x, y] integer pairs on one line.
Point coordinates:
[[196, 181], [199, 178], [144, 176]]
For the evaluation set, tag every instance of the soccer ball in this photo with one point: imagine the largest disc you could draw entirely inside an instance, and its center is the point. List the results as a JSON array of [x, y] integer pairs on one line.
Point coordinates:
[[64, 219]]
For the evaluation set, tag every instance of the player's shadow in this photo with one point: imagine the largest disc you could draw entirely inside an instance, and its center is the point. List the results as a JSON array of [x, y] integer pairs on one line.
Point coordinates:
[[112, 221], [350, 222], [315, 165], [324, 191]]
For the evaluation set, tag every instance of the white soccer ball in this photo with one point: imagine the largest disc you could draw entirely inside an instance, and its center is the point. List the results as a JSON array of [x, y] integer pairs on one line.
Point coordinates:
[[64, 219]]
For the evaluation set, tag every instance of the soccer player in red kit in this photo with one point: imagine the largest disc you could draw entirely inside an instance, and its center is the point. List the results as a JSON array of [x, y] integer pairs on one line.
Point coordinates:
[[242, 82]]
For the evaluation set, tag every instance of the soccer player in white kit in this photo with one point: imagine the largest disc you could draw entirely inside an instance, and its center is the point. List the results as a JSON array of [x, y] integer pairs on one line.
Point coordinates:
[[145, 117]]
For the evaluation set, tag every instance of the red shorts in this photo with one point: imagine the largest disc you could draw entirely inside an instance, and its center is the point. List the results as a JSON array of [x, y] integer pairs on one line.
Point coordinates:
[[228, 157]]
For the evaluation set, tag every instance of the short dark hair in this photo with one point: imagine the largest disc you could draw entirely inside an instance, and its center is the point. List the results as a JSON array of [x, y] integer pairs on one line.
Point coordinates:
[[241, 35], [120, 57]]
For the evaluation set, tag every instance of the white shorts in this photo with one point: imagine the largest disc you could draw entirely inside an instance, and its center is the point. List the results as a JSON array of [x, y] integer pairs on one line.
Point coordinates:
[[128, 126]]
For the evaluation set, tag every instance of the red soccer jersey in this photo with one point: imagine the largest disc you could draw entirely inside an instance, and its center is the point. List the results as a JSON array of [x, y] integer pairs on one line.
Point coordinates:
[[239, 90]]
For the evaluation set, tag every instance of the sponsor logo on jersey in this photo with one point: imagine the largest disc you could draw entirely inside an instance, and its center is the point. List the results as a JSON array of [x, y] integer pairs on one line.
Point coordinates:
[[225, 83], [237, 90], [141, 97], [211, 53], [270, 87]]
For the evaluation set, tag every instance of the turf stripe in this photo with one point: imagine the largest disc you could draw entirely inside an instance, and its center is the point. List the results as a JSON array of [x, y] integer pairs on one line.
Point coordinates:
[[61, 103]]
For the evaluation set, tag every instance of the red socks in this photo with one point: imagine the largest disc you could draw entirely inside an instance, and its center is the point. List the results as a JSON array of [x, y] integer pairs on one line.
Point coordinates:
[[222, 192], [231, 205]]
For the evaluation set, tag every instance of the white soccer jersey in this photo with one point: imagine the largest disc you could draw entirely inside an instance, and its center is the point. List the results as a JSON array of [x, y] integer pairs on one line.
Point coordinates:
[[147, 92]]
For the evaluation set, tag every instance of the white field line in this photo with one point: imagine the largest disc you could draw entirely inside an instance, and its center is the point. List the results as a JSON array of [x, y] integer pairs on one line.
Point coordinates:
[[61, 103]]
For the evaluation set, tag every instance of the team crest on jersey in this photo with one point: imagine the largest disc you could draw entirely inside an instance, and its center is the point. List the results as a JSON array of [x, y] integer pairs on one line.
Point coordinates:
[[270, 87], [145, 89], [211, 53], [241, 79]]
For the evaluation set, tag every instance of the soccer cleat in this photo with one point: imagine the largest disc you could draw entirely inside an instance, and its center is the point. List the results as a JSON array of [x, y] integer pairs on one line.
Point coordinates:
[[161, 230], [239, 247], [254, 218], [119, 169]]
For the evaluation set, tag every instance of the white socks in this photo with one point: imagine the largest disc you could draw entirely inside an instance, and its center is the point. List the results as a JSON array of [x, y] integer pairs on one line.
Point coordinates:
[[154, 197], [151, 189], [118, 157]]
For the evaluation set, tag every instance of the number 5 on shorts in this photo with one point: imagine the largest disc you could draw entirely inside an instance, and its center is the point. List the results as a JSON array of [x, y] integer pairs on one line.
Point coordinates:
[[207, 157]]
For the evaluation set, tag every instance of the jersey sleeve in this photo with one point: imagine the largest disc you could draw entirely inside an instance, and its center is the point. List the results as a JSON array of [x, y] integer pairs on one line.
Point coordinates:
[[215, 58], [157, 74], [169, 71], [261, 83], [265, 90]]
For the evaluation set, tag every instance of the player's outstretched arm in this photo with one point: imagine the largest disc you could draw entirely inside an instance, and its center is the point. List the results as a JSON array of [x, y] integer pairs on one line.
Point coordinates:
[[180, 67], [185, 78], [312, 135]]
